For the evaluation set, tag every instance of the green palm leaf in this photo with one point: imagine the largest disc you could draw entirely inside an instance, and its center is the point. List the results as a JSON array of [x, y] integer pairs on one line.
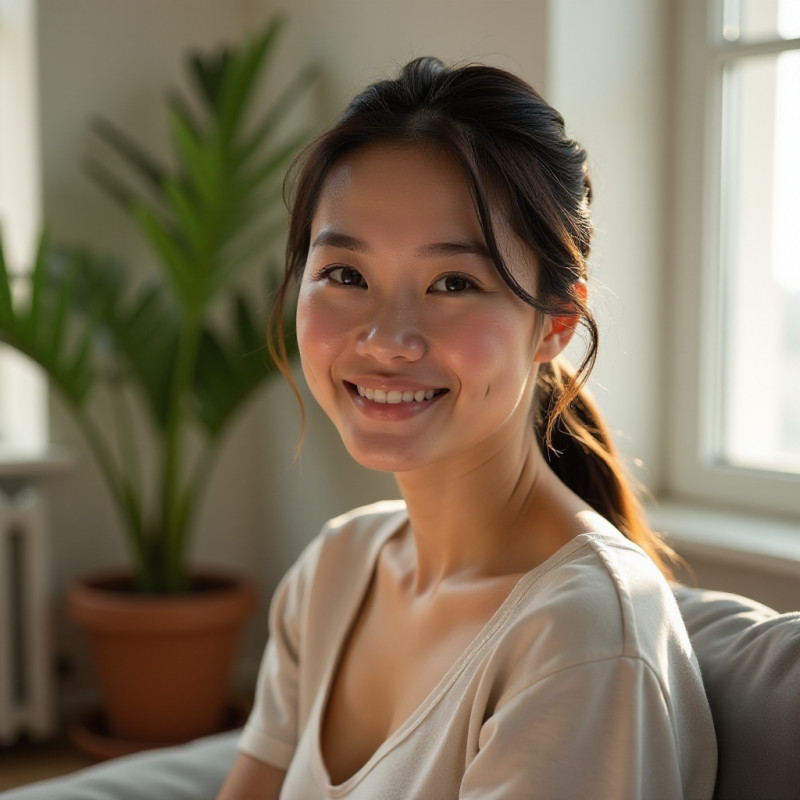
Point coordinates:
[[90, 322], [43, 329], [240, 79], [145, 333], [230, 367]]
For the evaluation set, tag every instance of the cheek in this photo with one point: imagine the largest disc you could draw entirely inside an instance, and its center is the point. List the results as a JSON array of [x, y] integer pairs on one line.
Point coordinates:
[[321, 330], [492, 344]]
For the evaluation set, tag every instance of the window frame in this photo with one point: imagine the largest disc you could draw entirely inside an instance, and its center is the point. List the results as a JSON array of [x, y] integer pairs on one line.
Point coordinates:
[[695, 314]]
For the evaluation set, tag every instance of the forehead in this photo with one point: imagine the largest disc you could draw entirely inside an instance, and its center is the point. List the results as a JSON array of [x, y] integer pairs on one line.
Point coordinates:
[[398, 191], [398, 199]]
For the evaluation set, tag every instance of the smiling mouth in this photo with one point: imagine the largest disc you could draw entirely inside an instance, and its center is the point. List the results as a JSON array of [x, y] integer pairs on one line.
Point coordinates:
[[395, 396]]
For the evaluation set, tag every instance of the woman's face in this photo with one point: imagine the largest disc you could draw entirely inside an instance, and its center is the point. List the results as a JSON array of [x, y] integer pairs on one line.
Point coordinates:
[[409, 338]]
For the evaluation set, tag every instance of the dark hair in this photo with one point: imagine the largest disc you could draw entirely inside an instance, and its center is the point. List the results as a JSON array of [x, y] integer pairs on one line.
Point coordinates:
[[516, 156]]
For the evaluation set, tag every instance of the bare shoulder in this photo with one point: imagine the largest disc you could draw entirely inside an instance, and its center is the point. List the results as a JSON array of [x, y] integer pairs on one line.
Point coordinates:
[[249, 778]]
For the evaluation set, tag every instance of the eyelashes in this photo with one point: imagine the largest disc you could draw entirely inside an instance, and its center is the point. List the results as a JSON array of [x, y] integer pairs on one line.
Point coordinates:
[[455, 283], [448, 283], [342, 275]]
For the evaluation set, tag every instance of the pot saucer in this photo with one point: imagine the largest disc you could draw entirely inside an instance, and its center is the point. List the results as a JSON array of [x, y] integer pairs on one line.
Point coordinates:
[[90, 734]]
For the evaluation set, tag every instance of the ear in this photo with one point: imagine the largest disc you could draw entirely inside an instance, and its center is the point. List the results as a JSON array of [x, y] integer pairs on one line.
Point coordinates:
[[558, 330]]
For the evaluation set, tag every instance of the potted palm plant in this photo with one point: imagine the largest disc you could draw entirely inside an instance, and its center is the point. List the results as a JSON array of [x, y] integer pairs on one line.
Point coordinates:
[[188, 344]]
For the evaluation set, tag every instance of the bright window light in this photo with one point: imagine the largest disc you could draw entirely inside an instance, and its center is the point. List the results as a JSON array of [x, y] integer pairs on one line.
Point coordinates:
[[23, 391], [759, 397], [760, 20]]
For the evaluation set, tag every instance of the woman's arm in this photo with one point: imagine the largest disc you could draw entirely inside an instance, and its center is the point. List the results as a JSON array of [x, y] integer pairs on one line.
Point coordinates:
[[272, 730], [250, 779]]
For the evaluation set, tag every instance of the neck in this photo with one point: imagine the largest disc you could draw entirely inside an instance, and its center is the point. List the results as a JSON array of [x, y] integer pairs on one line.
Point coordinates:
[[497, 514]]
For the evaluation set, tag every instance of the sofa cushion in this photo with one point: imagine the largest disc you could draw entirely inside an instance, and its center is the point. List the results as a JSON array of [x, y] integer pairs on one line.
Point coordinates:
[[193, 771], [749, 657]]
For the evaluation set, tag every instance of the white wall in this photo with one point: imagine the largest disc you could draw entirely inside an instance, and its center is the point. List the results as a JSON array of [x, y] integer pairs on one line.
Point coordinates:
[[357, 42], [607, 70]]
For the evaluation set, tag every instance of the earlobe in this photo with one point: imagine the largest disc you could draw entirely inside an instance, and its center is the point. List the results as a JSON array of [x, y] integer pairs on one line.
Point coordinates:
[[559, 330]]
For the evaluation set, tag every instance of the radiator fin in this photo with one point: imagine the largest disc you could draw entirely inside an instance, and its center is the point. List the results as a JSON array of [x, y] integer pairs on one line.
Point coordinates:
[[26, 691]]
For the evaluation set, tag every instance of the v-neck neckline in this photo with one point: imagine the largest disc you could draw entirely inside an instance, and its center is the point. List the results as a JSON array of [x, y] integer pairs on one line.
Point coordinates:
[[487, 632]]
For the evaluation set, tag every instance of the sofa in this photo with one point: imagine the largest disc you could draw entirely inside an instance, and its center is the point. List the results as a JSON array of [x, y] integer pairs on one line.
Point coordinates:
[[749, 656]]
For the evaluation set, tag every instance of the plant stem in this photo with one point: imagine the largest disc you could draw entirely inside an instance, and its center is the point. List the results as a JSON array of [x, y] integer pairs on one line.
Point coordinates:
[[127, 503], [123, 424], [173, 500]]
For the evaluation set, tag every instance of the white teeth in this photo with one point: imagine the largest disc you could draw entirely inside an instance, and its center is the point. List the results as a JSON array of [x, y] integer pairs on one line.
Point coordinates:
[[395, 396]]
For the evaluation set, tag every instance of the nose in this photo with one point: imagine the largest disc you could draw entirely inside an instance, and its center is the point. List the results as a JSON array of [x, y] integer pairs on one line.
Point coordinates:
[[390, 334]]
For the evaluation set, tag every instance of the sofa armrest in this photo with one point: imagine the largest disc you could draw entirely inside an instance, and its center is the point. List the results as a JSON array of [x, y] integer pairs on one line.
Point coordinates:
[[749, 656], [193, 771]]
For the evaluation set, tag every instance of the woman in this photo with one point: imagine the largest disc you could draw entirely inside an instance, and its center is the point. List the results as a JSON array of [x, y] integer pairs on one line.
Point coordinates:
[[506, 630]]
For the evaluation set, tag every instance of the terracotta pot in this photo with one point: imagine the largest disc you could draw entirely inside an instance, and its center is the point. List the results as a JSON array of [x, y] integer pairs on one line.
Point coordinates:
[[163, 662]]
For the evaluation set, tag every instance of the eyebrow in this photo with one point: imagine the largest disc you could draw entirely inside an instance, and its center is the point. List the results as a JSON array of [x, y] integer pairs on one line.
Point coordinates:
[[458, 248], [333, 238]]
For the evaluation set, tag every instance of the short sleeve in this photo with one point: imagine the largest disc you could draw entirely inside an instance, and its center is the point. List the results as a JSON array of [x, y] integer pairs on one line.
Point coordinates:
[[597, 730], [271, 731]]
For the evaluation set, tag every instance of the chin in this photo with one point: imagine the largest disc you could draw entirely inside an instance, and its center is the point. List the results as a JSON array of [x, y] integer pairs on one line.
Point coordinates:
[[385, 459]]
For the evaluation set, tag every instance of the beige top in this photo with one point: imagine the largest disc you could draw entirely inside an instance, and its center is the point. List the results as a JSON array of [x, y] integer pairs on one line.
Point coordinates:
[[582, 684]]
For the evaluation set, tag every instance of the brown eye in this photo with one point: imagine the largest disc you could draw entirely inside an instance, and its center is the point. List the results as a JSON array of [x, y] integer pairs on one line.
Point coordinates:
[[453, 283], [346, 276]]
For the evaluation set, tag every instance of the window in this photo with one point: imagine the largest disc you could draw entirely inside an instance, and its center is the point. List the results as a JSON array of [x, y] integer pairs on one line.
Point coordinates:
[[735, 283], [23, 397], [760, 241]]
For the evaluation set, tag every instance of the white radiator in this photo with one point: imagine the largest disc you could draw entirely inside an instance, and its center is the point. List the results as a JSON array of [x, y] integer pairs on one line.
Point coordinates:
[[26, 691]]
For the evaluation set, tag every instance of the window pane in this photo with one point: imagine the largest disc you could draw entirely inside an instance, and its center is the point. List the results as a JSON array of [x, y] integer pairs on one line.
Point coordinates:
[[23, 395], [760, 20], [760, 246]]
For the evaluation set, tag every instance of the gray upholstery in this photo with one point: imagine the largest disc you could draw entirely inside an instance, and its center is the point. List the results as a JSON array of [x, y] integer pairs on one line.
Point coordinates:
[[750, 659], [193, 771], [749, 656]]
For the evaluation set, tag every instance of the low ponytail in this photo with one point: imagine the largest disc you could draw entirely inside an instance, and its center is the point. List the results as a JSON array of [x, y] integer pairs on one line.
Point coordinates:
[[578, 447]]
